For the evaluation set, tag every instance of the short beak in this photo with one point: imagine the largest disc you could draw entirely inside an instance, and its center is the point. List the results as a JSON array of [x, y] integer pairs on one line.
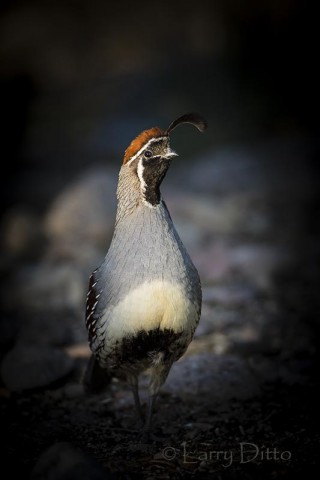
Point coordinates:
[[171, 153]]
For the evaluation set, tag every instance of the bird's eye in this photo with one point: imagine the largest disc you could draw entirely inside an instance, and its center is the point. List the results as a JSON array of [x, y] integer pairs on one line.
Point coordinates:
[[148, 154]]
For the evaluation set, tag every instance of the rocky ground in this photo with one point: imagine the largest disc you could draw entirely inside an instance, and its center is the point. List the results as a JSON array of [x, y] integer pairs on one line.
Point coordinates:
[[243, 401]]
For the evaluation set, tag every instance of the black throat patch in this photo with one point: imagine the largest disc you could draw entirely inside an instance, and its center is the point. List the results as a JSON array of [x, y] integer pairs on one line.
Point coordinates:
[[154, 171]]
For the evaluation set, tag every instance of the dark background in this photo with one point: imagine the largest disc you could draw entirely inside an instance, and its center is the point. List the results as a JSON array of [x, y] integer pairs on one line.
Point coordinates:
[[78, 81]]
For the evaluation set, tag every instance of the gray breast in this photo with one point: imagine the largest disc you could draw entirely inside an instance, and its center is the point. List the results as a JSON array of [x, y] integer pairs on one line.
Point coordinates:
[[145, 247]]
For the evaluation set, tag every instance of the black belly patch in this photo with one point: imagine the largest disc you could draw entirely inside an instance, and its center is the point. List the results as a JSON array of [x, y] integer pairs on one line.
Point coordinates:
[[139, 347]]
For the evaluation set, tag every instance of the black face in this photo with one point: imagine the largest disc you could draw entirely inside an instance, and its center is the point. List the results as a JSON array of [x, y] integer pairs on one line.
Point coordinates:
[[153, 172], [151, 167]]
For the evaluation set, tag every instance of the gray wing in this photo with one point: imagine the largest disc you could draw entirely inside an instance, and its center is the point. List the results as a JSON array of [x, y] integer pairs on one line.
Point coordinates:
[[100, 296], [91, 304]]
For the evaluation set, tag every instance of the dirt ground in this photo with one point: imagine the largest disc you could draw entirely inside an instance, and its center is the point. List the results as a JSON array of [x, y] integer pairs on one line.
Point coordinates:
[[273, 435]]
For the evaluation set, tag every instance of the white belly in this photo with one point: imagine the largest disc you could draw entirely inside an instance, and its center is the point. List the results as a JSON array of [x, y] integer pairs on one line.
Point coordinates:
[[158, 304]]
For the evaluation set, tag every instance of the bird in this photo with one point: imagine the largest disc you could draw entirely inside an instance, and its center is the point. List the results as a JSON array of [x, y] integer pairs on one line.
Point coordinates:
[[144, 300]]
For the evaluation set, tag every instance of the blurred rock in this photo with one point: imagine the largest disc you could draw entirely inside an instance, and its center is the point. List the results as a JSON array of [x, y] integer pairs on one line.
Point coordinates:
[[197, 214], [273, 167], [22, 234], [260, 263], [84, 213], [214, 378], [277, 369], [213, 261], [86, 257], [219, 319], [226, 171], [33, 366], [256, 263], [9, 327], [51, 287], [50, 327], [215, 342], [205, 325], [231, 295], [63, 461]]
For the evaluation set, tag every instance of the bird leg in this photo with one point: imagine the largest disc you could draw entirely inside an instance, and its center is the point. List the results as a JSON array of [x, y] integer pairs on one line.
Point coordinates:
[[150, 408], [133, 381], [146, 435], [159, 373]]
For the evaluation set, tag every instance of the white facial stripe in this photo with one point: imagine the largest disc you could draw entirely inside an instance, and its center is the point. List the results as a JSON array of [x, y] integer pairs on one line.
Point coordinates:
[[143, 184], [140, 175], [144, 148]]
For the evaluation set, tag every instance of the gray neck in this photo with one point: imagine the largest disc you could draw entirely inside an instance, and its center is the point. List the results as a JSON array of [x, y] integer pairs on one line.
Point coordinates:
[[128, 193]]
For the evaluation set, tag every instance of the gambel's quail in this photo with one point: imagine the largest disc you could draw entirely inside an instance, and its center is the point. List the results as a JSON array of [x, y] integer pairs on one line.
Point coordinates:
[[144, 301]]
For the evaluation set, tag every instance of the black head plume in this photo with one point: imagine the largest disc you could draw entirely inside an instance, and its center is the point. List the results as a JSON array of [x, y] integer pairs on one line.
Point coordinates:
[[193, 118]]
